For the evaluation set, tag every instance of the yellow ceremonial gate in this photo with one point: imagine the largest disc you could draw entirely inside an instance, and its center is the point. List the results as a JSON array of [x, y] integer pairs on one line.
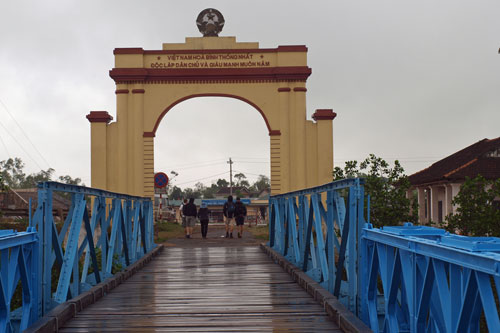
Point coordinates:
[[151, 82]]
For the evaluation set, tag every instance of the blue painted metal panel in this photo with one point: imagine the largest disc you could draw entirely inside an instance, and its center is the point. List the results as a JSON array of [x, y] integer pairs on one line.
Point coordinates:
[[317, 231], [430, 280], [131, 222], [19, 265]]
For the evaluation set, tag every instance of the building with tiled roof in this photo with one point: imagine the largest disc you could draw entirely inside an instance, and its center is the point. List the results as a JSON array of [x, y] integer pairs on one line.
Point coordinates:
[[240, 191], [15, 202], [438, 184]]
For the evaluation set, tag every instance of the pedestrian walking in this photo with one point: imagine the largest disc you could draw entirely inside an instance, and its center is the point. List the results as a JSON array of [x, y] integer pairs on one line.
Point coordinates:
[[189, 212], [203, 215], [181, 214], [240, 211], [228, 211]]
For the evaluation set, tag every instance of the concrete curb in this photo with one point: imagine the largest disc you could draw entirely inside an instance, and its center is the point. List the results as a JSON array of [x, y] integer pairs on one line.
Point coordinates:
[[345, 319], [64, 312]]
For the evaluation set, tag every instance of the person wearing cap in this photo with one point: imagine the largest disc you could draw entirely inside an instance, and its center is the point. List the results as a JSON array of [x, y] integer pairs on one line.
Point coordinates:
[[203, 215], [240, 212]]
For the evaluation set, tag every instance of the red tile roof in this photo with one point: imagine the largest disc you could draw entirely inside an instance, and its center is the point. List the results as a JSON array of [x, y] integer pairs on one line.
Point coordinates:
[[479, 158]]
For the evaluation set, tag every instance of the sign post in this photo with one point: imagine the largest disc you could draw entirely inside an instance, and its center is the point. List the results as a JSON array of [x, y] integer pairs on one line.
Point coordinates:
[[161, 182]]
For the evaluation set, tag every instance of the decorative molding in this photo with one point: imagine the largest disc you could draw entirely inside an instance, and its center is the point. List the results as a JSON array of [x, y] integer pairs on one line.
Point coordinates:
[[281, 48], [99, 117], [128, 75], [324, 114], [148, 135], [121, 91], [300, 89], [138, 91], [274, 132], [284, 89], [129, 50]]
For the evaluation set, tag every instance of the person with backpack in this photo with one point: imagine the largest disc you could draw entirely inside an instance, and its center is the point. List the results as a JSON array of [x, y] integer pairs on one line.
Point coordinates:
[[189, 212], [240, 211], [228, 211], [203, 215]]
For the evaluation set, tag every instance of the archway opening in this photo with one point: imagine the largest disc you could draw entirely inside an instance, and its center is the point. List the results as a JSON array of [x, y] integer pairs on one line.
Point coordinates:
[[198, 137]]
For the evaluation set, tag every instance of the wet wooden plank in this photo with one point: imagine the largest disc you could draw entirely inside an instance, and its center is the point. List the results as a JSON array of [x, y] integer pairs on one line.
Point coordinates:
[[212, 289]]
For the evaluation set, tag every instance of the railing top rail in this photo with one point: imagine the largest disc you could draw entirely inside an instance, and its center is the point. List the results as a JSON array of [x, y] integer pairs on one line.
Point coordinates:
[[335, 185], [56, 186], [13, 238], [477, 253]]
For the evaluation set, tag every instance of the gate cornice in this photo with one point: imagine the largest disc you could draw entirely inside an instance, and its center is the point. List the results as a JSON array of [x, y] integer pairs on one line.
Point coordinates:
[[273, 74]]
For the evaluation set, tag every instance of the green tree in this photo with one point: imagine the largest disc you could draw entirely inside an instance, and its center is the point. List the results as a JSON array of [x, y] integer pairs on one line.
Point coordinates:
[[175, 193], [3, 186], [477, 212], [222, 183], [387, 187], [241, 180], [261, 183], [71, 181], [12, 172]]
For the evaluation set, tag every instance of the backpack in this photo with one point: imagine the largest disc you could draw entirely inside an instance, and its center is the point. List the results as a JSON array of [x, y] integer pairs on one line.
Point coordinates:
[[230, 207]]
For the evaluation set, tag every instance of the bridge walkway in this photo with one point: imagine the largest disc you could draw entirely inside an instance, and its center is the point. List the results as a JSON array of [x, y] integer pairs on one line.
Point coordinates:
[[206, 289]]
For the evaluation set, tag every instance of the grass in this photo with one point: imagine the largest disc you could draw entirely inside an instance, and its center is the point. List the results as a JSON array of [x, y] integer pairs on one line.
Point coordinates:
[[259, 232], [166, 230]]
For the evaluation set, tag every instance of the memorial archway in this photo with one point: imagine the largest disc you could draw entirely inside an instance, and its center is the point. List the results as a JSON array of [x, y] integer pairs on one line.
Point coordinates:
[[150, 82]]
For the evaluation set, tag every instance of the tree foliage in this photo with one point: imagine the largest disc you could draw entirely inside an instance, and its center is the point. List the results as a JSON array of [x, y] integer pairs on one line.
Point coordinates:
[[208, 192], [387, 187], [477, 212], [13, 175]]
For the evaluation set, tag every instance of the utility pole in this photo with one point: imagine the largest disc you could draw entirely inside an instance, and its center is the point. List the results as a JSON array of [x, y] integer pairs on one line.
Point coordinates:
[[230, 162]]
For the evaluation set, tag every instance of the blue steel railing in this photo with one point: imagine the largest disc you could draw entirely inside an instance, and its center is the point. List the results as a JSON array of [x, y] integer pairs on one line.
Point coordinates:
[[117, 227], [396, 279], [423, 279], [317, 229], [18, 278]]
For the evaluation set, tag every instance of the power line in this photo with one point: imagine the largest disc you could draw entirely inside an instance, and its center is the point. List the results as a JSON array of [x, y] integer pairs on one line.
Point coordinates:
[[24, 133], [196, 166], [240, 161], [196, 180], [189, 164], [249, 173], [5, 146], [20, 146]]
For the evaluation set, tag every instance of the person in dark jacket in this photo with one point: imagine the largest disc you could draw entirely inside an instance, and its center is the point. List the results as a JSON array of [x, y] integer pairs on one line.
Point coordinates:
[[228, 211], [203, 215], [240, 212], [189, 211]]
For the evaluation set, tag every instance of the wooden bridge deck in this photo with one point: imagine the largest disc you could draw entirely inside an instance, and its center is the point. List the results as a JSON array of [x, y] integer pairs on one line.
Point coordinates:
[[213, 289]]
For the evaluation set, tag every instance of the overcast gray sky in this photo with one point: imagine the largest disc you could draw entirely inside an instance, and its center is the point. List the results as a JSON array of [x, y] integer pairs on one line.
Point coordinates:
[[412, 80]]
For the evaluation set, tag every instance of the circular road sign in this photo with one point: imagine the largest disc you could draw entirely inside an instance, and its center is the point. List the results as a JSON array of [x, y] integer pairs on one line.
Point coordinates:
[[161, 179]]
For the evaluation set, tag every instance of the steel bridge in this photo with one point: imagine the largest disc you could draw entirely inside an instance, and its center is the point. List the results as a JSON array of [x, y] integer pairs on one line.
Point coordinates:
[[99, 270]]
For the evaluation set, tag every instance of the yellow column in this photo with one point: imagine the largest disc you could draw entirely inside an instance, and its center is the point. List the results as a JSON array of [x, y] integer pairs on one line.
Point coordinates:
[[284, 139], [98, 144], [137, 144], [311, 153], [149, 167], [123, 128], [324, 119], [275, 151], [299, 139]]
